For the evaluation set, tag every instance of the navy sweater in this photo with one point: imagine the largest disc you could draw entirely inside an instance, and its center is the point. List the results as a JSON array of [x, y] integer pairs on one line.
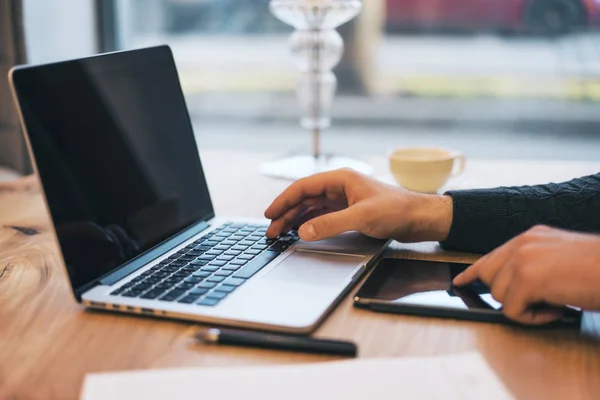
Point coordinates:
[[487, 218]]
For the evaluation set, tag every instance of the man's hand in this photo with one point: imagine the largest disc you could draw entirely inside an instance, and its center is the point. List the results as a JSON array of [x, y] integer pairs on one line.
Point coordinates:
[[331, 203], [543, 266]]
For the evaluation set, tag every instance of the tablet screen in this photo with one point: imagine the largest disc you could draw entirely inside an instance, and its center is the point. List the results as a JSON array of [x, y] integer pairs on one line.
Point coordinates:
[[425, 284]]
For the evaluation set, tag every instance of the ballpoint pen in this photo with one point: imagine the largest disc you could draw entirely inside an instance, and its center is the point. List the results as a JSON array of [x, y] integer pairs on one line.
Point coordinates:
[[278, 342]]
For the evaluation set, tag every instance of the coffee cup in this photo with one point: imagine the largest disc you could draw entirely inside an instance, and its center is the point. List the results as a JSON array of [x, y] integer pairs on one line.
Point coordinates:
[[425, 169]]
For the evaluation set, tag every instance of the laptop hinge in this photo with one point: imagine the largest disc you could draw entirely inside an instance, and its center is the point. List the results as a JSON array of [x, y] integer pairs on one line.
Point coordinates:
[[147, 257]]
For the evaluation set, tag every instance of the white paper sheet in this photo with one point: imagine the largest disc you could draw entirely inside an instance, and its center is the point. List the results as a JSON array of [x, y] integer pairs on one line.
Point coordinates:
[[461, 377]]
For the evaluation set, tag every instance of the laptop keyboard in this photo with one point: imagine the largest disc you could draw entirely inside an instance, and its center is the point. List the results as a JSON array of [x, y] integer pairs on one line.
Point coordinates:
[[211, 268]]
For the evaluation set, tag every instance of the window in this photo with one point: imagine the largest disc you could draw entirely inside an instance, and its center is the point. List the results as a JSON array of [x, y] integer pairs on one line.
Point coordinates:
[[491, 78], [57, 30]]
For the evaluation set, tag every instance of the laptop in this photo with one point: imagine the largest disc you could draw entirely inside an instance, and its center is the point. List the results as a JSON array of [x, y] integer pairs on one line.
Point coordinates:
[[113, 146]]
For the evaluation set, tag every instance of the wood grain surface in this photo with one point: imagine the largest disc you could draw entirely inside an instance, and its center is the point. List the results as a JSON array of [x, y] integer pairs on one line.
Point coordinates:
[[48, 342]]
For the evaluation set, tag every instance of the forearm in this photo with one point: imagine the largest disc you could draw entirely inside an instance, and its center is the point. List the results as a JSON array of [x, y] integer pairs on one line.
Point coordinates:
[[485, 219], [431, 218]]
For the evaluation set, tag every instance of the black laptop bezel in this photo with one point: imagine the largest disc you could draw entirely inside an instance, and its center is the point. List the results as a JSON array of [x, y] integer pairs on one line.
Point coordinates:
[[160, 249]]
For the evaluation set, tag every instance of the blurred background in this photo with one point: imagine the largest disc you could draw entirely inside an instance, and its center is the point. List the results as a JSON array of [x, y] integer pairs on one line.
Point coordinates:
[[490, 78]]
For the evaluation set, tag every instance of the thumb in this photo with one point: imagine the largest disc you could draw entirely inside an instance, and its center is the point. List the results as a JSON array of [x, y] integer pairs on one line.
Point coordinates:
[[328, 225]]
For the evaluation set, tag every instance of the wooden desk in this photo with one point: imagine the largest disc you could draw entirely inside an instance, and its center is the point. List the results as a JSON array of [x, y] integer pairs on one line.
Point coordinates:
[[48, 342]]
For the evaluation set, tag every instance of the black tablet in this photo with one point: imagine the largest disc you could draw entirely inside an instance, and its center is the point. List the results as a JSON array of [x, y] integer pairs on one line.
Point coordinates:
[[425, 288]]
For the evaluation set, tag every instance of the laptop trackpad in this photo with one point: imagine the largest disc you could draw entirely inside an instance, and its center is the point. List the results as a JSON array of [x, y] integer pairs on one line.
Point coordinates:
[[316, 268]]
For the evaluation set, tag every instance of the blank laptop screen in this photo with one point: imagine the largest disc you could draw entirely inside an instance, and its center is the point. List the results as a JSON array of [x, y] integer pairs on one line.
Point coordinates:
[[116, 154]]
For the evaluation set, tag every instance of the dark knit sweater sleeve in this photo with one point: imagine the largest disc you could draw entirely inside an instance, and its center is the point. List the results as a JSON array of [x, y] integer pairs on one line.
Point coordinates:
[[487, 218]]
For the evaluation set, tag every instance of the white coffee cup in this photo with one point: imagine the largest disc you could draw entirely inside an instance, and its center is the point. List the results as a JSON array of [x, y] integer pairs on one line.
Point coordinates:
[[425, 169]]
